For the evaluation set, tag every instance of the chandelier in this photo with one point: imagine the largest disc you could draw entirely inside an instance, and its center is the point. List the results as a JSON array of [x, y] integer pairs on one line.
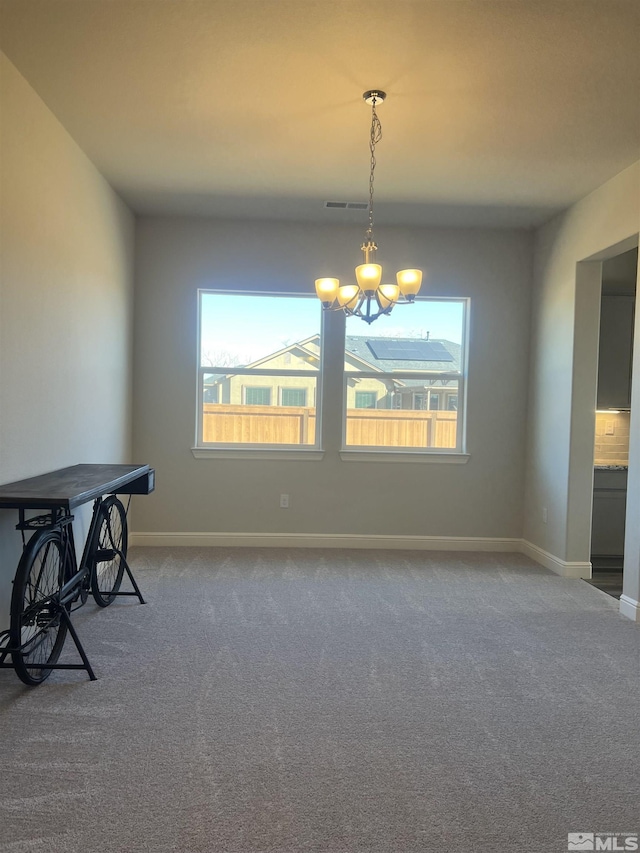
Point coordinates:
[[369, 299]]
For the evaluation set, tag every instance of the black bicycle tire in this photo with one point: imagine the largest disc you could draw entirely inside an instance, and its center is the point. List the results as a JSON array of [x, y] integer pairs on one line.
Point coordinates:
[[114, 539], [26, 614]]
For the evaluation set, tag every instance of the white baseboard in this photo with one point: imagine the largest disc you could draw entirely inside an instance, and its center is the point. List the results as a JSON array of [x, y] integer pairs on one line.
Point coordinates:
[[351, 540], [630, 608], [560, 567], [326, 540]]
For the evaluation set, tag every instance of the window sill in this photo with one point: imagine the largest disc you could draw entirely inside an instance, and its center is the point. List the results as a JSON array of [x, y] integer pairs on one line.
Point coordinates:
[[311, 455], [420, 456], [314, 455]]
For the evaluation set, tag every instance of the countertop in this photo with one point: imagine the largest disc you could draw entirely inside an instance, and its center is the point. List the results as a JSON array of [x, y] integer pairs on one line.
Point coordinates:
[[611, 467]]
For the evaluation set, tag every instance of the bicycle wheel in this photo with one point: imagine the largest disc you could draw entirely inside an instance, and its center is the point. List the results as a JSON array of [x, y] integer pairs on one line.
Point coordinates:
[[36, 630], [109, 551]]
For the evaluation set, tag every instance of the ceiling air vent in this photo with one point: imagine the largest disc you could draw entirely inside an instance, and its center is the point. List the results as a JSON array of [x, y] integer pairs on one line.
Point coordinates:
[[346, 205]]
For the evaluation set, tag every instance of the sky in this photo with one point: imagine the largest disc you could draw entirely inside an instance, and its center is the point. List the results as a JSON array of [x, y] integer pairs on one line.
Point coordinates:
[[239, 329]]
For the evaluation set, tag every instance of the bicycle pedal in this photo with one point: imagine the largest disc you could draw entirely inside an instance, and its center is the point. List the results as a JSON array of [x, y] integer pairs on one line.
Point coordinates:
[[105, 555]]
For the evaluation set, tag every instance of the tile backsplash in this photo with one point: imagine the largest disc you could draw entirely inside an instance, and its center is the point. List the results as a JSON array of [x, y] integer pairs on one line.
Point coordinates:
[[612, 449]]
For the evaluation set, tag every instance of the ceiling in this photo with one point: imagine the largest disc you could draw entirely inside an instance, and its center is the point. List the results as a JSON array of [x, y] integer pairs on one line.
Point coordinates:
[[499, 112]]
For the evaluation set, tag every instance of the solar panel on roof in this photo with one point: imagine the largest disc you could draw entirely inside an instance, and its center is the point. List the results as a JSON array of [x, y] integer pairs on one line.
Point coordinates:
[[399, 350]]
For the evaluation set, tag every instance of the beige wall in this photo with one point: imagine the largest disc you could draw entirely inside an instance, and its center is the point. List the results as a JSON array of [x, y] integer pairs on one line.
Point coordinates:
[[176, 256], [66, 305], [565, 316]]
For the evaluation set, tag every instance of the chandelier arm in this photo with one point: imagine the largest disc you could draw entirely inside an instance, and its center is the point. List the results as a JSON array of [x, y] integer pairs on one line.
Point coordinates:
[[369, 317], [381, 310], [355, 311]]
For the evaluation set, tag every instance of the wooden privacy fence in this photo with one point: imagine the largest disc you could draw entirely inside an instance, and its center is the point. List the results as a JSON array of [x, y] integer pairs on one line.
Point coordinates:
[[232, 424], [401, 428]]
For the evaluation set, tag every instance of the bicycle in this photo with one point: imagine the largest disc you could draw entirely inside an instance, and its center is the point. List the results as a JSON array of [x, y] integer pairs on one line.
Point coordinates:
[[49, 584]]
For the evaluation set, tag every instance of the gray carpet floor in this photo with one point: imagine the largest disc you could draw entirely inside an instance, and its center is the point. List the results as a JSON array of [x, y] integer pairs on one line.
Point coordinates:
[[279, 701]]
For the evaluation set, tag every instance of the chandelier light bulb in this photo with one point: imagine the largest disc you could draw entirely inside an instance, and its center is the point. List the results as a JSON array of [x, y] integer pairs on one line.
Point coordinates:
[[348, 295], [369, 277], [327, 290], [409, 282], [389, 294]]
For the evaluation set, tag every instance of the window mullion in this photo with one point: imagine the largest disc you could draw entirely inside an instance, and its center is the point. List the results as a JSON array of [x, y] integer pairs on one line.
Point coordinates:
[[331, 391]]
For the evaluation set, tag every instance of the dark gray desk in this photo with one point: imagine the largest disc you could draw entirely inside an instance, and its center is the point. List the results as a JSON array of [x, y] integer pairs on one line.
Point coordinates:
[[70, 487], [57, 493]]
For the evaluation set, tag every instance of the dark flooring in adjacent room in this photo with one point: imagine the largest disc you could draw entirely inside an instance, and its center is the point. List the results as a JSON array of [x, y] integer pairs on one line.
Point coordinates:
[[608, 581]]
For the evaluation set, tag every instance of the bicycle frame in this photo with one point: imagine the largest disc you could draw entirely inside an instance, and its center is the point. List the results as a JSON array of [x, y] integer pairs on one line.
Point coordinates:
[[76, 575], [58, 605]]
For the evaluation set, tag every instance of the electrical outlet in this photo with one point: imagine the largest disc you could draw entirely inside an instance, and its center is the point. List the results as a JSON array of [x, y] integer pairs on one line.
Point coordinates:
[[544, 515], [609, 428], [284, 501]]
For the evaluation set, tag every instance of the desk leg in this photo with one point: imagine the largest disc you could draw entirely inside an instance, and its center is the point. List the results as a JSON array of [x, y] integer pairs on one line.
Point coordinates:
[[133, 583], [79, 647]]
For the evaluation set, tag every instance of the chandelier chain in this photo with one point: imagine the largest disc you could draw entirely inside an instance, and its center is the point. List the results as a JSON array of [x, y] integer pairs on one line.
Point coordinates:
[[375, 137], [369, 299]]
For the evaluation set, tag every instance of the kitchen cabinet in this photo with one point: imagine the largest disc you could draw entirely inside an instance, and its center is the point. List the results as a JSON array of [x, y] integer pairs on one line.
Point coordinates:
[[608, 520], [616, 350]]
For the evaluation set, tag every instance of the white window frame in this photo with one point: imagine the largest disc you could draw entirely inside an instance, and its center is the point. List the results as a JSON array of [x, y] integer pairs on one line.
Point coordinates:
[[330, 383], [204, 449], [354, 452]]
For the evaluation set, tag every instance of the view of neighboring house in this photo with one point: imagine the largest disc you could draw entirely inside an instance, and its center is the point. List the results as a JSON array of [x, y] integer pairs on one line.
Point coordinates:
[[263, 390], [396, 355], [363, 354]]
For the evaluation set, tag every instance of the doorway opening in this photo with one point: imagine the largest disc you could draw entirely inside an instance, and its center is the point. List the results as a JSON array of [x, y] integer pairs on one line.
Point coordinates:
[[612, 423]]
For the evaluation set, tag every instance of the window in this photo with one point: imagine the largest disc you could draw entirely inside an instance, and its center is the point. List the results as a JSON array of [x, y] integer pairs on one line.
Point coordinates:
[[260, 382], [365, 399], [257, 396], [293, 396], [404, 378], [259, 369]]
